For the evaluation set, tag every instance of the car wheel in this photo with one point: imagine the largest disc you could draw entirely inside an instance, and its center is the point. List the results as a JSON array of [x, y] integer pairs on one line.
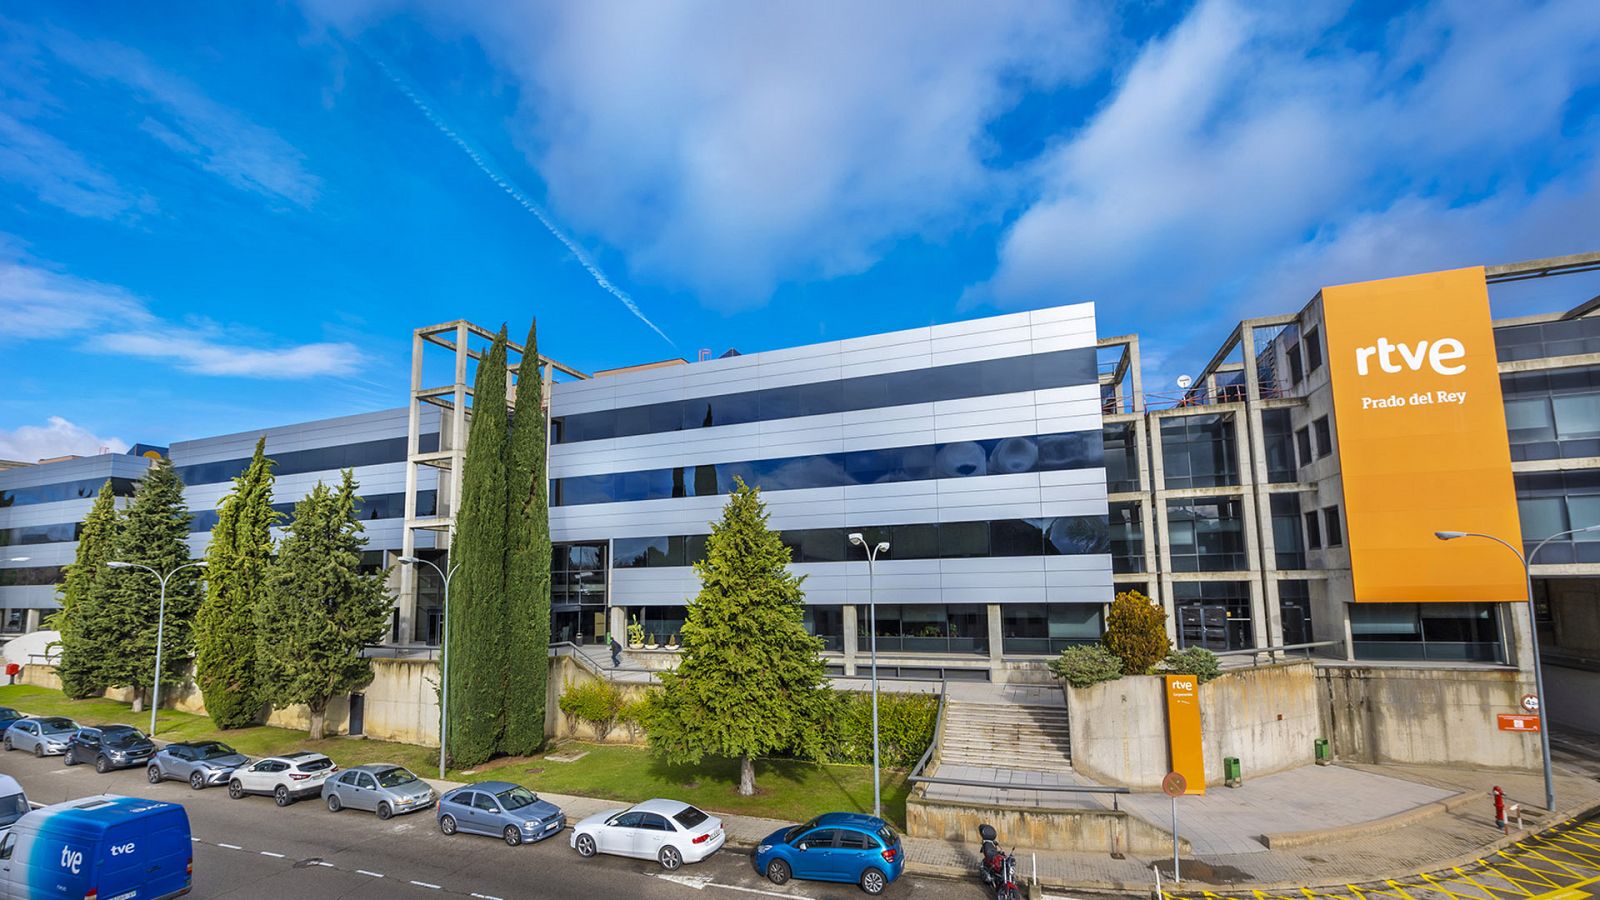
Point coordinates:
[[513, 835], [385, 811], [447, 824], [585, 845], [280, 796], [196, 781], [333, 803], [873, 882], [67, 760], [670, 858], [778, 871], [101, 766], [38, 751], [153, 775], [9, 746], [235, 789]]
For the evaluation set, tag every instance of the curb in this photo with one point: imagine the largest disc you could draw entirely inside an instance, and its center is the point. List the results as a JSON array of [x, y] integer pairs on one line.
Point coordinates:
[[1289, 839]]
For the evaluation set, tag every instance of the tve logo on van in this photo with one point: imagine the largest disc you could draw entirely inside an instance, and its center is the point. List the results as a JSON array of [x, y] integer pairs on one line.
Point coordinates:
[[71, 860]]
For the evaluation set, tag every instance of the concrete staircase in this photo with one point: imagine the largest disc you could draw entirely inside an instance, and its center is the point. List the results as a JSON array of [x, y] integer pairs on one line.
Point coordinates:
[[1006, 736]]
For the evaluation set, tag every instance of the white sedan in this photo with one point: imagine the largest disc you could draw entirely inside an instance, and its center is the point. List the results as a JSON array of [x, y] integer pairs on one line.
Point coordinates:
[[668, 831]]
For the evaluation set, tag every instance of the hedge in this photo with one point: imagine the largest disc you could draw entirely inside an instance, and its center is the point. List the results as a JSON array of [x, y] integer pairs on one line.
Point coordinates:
[[906, 724]]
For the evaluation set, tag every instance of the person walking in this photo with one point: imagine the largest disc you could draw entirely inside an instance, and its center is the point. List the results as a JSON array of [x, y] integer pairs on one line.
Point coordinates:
[[616, 652]]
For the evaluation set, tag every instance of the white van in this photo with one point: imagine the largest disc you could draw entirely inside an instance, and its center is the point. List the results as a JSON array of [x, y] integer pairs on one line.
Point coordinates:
[[13, 803]]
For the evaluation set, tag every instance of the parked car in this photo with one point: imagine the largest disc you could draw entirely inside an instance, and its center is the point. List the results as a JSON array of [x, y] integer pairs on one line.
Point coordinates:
[[45, 735], [670, 832], [286, 778], [201, 763], [499, 809], [111, 747], [9, 715], [13, 802], [104, 846], [844, 847], [377, 787]]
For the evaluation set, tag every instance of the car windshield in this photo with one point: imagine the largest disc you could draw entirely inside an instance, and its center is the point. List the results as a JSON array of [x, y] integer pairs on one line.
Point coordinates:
[[12, 808], [794, 833], [516, 798], [121, 738], [690, 817], [57, 726], [213, 750], [314, 765], [7, 712], [889, 837], [395, 777]]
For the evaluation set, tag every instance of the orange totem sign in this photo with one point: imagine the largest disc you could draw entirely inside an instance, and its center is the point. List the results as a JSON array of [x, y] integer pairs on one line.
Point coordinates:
[[1183, 731]]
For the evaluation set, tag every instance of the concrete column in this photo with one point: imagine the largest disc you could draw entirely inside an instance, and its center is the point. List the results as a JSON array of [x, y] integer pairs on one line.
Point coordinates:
[[617, 622], [847, 617], [1158, 511], [31, 620], [997, 660]]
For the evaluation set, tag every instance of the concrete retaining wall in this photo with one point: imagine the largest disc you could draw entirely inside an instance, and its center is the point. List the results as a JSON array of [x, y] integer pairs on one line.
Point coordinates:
[[566, 670], [1084, 830], [1267, 717], [1431, 716], [1572, 696]]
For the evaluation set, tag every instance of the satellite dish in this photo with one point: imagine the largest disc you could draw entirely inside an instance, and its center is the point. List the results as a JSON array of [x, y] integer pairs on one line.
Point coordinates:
[[1184, 381]]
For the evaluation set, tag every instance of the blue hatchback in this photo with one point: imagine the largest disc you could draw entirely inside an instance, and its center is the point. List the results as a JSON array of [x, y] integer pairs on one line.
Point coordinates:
[[844, 847]]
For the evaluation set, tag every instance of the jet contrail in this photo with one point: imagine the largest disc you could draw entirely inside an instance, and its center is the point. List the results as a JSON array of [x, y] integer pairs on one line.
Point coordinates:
[[516, 194]]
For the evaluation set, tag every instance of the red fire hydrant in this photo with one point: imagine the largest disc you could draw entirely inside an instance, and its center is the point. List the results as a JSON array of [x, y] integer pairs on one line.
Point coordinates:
[[1499, 808]]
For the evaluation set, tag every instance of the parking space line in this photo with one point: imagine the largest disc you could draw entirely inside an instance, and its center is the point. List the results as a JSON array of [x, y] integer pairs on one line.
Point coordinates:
[[230, 846], [424, 884], [369, 874], [271, 854]]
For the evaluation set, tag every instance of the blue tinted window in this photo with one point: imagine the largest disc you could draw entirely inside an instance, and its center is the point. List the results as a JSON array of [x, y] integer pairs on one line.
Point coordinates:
[[65, 532], [317, 459], [85, 489]]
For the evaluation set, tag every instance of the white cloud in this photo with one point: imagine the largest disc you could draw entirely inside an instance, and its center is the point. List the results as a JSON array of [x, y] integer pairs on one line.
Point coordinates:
[[31, 443], [727, 147], [39, 303], [59, 176], [1241, 148]]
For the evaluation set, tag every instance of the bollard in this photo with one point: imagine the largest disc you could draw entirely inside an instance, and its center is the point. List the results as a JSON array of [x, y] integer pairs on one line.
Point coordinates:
[[1500, 809]]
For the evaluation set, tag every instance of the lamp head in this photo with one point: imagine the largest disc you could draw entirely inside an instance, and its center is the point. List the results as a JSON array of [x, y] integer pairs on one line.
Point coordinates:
[[1449, 535], [856, 539], [1580, 531], [409, 560], [19, 559], [199, 562], [120, 565], [883, 546]]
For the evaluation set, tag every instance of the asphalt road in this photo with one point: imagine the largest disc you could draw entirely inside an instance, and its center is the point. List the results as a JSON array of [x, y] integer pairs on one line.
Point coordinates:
[[251, 848]]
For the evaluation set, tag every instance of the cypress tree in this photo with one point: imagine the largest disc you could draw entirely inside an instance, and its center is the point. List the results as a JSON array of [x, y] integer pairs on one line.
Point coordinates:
[[154, 533], [82, 593], [477, 603], [527, 589], [751, 680], [237, 561], [319, 609]]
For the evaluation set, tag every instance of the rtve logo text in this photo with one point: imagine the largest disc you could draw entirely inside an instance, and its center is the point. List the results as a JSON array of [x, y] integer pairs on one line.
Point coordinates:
[[1393, 358]]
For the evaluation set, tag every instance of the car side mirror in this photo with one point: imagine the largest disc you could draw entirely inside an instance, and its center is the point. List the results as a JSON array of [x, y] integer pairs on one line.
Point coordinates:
[[803, 846]]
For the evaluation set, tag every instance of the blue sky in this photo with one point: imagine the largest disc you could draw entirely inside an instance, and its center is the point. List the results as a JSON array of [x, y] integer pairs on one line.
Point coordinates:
[[221, 216]]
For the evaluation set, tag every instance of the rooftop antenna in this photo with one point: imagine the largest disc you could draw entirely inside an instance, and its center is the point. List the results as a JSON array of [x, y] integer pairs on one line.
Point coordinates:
[[705, 354]]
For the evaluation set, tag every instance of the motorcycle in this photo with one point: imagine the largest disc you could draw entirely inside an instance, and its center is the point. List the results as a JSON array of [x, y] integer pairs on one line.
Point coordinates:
[[999, 868]]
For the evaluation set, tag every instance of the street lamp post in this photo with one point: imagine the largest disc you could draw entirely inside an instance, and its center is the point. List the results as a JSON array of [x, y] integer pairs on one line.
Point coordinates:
[[1533, 638], [161, 625], [872, 630], [444, 651]]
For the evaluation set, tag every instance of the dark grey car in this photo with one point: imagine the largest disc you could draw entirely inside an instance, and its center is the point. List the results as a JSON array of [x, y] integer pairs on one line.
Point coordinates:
[[201, 763], [110, 747], [377, 787]]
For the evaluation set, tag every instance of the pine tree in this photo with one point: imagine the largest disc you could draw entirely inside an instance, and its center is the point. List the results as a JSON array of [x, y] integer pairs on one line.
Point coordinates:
[[477, 623], [319, 609], [751, 680], [237, 562], [527, 562], [82, 595], [154, 533]]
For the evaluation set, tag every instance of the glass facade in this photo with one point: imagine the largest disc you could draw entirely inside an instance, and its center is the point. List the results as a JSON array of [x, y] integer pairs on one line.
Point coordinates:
[[1062, 368], [578, 592], [1199, 451], [1121, 457], [32, 576], [1126, 538], [1552, 502], [826, 622], [317, 459], [1446, 632], [1206, 534], [1288, 541], [961, 459], [1213, 614], [1061, 536], [1569, 337], [1277, 433], [1038, 628], [84, 489], [1553, 414], [1294, 611], [428, 623], [661, 624], [65, 533], [930, 628], [369, 509]]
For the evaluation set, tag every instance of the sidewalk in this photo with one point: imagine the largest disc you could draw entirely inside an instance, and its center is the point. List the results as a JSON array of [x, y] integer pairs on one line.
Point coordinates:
[[1334, 796]]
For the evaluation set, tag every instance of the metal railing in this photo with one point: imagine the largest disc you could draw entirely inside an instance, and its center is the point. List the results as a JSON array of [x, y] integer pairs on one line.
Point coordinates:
[[938, 732], [1308, 647]]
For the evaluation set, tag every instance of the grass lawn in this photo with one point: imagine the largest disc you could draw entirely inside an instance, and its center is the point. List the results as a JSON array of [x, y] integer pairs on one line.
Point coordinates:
[[786, 789]]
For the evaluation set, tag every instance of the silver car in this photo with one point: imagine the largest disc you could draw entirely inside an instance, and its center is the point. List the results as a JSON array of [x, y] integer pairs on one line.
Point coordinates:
[[44, 735], [201, 763], [377, 787]]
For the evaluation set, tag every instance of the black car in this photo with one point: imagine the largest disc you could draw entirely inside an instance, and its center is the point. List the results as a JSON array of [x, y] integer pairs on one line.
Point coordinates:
[[111, 747]]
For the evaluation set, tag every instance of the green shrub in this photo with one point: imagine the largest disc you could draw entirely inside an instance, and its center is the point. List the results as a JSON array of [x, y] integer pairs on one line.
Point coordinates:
[[906, 724], [635, 715], [1136, 631], [600, 703], [1086, 664], [1196, 661]]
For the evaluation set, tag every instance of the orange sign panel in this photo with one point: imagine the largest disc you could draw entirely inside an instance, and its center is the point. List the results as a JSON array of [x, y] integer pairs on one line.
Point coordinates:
[[1422, 439], [1517, 722], [1183, 731]]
